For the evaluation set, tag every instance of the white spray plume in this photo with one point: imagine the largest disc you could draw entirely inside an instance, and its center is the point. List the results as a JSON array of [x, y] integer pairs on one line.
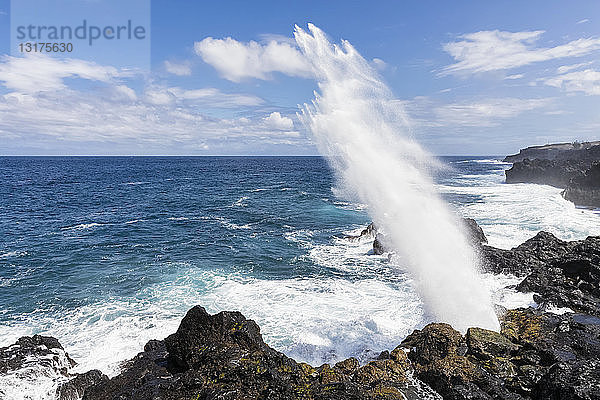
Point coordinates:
[[361, 129]]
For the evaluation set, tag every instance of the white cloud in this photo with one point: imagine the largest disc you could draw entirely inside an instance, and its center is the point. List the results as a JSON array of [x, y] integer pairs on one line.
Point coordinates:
[[481, 113], [486, 112], [274, 37], [567, 68], [38, 73], [587, 81], [159, 96], [379, 64], [180, 69], [583, 21], [210, 97], [125, 91], [515, 76], [216, 97], [153, 120], [236, 61], [276, 121], [497, 50]]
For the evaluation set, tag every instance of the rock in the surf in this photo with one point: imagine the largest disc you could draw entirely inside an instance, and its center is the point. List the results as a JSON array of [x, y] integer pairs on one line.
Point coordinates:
[[224, 356], [473, 230]]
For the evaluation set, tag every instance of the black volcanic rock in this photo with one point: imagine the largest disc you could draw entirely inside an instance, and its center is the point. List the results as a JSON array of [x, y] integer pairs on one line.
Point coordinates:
[[44, 350], [223, 356], [584, 190], [75, 388], [379, 246], [527, 257], [571, 280], [472, 229], [535, 356], [546, 172], [575, 167], [563, 274], [35, 356], [559, 151]]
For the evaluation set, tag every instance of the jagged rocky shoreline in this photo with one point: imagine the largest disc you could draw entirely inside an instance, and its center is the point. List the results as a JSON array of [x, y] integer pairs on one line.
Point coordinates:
[[536, 355], [572, 166]]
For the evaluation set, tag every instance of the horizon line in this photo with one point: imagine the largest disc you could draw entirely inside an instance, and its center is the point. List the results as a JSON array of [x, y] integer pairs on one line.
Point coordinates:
[[216, 155]]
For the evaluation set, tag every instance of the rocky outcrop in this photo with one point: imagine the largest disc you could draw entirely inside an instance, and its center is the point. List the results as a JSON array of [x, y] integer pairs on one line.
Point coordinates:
[[74, 389], [44, 350], [563, 274], [223, 356], [584, 189], [571, 280], [535, 356], [527, 257], [575, 167], [557, 173], [43, 357], [379, 244], [474, 231], [559, 151]]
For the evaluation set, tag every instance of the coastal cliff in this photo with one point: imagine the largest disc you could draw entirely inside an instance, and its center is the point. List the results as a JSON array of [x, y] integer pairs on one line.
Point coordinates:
[[572, 166], [536, 355], [558, 151]]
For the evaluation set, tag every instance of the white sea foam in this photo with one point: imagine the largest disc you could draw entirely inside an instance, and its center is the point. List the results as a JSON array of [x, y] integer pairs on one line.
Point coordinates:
[[226, 223], [558, 310], [38, 379], [360, 127], [11, 254], [82, 226], [311, 319], [241, 202], [178, 218], [136, 183], [509, 214], [504, 292], [134, 221]]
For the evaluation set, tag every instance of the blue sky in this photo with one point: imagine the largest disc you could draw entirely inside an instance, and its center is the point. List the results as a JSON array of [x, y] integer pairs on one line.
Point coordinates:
[[474, 77]]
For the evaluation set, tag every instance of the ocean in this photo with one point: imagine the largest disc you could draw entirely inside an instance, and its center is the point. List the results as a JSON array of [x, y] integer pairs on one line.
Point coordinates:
[[105, 253]]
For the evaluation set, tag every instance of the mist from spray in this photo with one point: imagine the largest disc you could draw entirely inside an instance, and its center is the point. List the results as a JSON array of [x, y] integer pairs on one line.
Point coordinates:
[[362, 130]]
